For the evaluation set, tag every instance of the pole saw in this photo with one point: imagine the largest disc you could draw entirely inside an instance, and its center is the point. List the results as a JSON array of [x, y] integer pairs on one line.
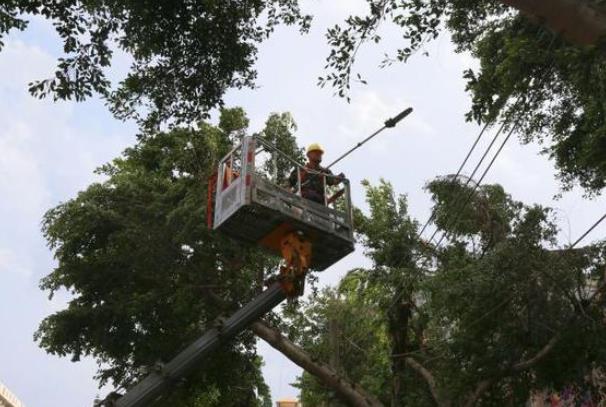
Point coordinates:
[[389, 123]]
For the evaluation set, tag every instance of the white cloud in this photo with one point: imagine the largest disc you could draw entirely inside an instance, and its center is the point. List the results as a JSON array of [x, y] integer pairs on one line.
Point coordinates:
[[47, 153], [28, 123], [11, 263], [467, 61], [368, 112], [22, 185], [46, 147], [21, 63]]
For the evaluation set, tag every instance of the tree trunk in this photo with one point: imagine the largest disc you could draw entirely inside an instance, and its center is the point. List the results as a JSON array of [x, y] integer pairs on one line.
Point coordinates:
[[349, 392], [333, 336], [334, 360], [398, 331], [577, 20]]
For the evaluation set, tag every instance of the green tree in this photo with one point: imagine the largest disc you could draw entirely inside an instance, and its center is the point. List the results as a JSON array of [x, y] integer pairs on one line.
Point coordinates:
[[145, 273], [494, 313], [276, 126], [147, 277]]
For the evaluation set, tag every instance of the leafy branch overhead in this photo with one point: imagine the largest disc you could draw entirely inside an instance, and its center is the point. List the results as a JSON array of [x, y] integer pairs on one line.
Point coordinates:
[[560, 84], [185, 54]]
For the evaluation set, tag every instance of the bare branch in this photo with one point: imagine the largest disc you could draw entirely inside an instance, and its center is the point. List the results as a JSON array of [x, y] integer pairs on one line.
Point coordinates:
[[545, 350], [349, 392], [429, 379], [481, 387]]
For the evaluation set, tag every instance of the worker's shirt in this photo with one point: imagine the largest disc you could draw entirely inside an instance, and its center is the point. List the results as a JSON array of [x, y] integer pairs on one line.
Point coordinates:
[[312, 184]]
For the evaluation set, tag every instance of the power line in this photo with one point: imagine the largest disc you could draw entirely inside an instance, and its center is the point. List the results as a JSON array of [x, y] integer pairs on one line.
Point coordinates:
[[475, 143], [510, 297], [447, 223], [588, 231], [477, 185], [469, 196], [399, 295], [486, 152], [433, 214]]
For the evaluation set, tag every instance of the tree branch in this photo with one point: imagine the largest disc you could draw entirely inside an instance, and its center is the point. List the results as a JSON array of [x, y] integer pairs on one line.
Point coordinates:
[[576, 20], [483, 385], [545, 350], [429, 379], [349, 392], [548, 347]]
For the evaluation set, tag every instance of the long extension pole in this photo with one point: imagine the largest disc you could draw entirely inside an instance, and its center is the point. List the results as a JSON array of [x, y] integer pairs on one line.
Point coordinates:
[[389, 123]]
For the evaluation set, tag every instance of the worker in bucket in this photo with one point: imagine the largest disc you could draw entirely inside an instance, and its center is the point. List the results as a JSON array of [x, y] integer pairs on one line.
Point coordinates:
[[314, 177]]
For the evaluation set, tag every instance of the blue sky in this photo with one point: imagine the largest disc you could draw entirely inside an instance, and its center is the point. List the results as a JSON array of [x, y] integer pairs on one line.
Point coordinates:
[[48, 152]]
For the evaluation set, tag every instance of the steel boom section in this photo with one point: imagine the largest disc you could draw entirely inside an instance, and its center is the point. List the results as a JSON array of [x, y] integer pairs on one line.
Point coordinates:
[[150, 388]]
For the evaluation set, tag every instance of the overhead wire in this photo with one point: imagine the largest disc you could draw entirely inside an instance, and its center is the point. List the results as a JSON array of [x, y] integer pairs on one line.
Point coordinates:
[[478, 183], [510, 297], [584, 235], [468, 198], [503, 125], [485, 172], [475, 143], [486, 152]]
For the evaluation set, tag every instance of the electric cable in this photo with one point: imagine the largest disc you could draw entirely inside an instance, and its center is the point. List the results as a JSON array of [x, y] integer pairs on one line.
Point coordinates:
[[457, 215], [486, 152], [477, 185], [475, 143], [399, 295]]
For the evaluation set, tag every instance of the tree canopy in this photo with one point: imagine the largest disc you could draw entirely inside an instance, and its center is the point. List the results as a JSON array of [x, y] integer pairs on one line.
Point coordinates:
[[496, 313], [551, 89], [146, 275]]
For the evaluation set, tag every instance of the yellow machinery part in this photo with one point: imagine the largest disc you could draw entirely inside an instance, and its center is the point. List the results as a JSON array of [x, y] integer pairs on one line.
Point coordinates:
[[296, 252], [273, 240]]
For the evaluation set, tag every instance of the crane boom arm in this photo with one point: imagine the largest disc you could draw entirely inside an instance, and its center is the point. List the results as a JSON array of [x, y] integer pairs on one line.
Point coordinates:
[[154, 385]]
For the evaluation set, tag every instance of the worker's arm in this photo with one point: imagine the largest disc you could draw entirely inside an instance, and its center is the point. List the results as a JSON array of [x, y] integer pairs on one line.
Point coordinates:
[[334, 180], [293, 178]]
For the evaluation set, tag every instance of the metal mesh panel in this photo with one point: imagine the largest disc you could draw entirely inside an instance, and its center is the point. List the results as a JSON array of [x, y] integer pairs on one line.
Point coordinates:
[[257, 205], [229, 200]]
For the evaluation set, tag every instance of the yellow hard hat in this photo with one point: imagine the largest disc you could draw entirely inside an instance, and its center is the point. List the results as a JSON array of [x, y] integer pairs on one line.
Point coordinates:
[[314, 147]]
